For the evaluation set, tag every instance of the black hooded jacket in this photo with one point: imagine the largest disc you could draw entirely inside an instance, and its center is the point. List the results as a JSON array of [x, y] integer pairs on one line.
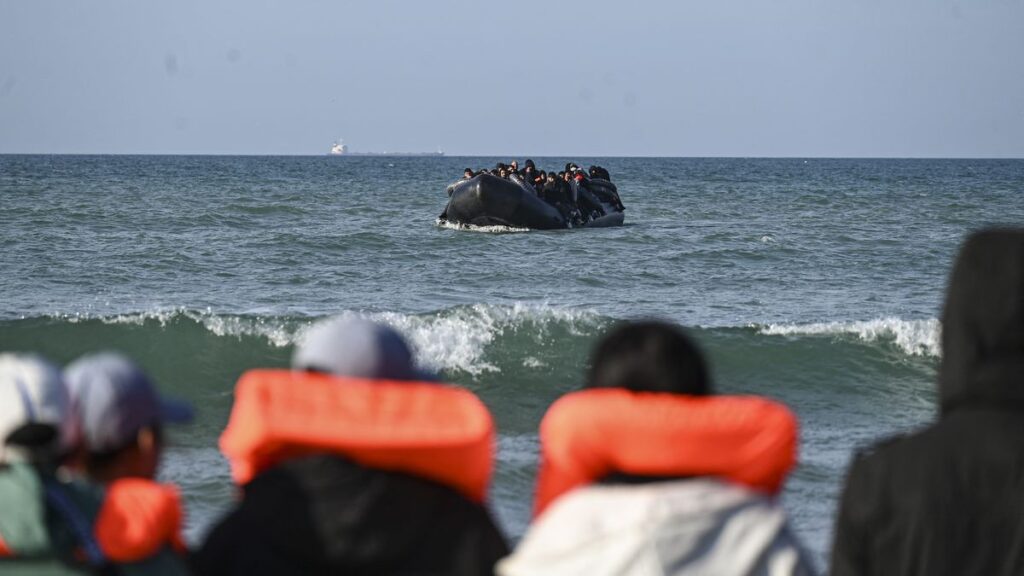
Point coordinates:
[[950, 498], [328, 515]]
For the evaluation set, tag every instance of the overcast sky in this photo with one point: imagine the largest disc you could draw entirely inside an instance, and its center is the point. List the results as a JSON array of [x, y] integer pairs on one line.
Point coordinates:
[[902, 78]]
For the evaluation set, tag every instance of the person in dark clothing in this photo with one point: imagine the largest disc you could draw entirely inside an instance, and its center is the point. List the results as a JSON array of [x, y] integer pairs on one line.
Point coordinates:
[[599, 172], [553, 192], [949, 499], [324, 513], [529, 176], [467, 173], [539, 180]]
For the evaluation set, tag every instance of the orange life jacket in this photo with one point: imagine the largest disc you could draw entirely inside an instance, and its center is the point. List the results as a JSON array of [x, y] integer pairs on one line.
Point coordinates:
[[138, 518], [5, 552], [590, 434], [433, 431]]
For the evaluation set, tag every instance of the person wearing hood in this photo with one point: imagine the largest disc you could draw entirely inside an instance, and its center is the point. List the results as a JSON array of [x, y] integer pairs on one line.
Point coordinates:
[[949, 499], [646, 471], [355, 462]]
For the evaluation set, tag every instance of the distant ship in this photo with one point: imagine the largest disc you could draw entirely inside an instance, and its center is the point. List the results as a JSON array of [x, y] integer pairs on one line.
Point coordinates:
[[340, 149]]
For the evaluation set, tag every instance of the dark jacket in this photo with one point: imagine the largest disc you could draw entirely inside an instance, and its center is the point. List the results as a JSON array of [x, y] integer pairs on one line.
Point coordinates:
[[327, 515], [552, 193], [950, 498]]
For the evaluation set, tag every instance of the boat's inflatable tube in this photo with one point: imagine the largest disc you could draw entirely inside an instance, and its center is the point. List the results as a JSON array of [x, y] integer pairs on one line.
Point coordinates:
[[591, 434], [442, 433], [488, 200]]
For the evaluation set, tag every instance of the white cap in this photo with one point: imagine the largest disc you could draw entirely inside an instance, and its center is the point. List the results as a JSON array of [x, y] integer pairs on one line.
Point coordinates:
[[32, 392]]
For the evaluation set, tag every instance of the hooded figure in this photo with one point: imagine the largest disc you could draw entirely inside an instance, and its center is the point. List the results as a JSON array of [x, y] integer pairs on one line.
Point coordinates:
[[949, 499]]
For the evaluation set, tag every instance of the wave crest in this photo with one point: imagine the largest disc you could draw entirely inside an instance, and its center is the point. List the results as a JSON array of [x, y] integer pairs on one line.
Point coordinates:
[[913, 337], [452, 339]]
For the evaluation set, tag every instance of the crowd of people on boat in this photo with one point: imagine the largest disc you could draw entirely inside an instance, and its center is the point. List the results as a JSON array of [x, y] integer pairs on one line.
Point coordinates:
[[356, 461], [557, 188], [538, 178]]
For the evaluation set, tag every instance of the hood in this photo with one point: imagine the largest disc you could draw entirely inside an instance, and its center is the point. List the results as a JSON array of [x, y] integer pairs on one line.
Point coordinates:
[[983, 323], [696, 526]]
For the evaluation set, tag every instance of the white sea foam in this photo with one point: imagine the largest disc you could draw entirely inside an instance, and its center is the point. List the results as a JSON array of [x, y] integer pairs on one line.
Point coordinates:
[[452, 339], [914, 337], [458, 338], [533, 362], [471, 228], [277, 331]]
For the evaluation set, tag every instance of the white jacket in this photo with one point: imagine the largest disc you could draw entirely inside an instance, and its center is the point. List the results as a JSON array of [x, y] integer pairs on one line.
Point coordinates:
[[694, 526]]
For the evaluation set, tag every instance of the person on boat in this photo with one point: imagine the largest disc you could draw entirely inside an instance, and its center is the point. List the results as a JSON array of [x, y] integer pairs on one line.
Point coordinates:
[[586, 202], [599, 172], [948, 499], [646, 471], [355, 462], [53, 521], [467, 173], [553, 192], [529, 177], [513, 166], [540, 179]]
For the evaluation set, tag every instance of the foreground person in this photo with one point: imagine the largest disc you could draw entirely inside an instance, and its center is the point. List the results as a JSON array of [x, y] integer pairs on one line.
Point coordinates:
[[647, 473], [355, 463], [950, 498], [122, 421], [52, 522]]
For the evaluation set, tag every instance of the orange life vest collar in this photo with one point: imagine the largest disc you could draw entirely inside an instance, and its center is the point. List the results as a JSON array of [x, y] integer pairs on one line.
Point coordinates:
[[138, 518], [442, 433], [590, 434]]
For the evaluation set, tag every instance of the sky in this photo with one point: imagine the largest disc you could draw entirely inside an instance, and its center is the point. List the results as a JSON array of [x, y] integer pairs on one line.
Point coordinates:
[[778, 78]]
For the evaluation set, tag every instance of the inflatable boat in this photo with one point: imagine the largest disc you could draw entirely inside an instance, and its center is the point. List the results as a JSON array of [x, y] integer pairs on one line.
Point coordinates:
[[488, 200]]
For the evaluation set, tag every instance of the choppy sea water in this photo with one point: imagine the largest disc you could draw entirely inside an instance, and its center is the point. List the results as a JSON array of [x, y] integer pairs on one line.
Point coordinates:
[[816, 282]]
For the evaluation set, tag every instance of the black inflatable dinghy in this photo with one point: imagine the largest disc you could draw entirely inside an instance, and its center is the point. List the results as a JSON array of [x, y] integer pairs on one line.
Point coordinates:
[[488, 200]]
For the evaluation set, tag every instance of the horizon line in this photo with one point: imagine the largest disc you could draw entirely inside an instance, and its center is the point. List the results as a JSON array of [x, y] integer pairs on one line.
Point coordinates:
[[446, 155]]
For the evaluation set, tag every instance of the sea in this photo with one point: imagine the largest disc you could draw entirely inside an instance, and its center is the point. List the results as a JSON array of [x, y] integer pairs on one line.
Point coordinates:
[[816, 282]]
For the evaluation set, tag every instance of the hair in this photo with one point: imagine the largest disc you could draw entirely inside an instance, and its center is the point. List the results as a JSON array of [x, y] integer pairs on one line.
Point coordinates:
[[649, 356], [98, 462]]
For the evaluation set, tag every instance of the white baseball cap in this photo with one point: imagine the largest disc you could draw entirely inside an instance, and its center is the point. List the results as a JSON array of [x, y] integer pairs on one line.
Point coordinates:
[[35, 409]]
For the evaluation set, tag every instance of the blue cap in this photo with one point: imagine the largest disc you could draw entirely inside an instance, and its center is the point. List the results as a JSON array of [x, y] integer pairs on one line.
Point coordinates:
[[359, 348], [115, 399]]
